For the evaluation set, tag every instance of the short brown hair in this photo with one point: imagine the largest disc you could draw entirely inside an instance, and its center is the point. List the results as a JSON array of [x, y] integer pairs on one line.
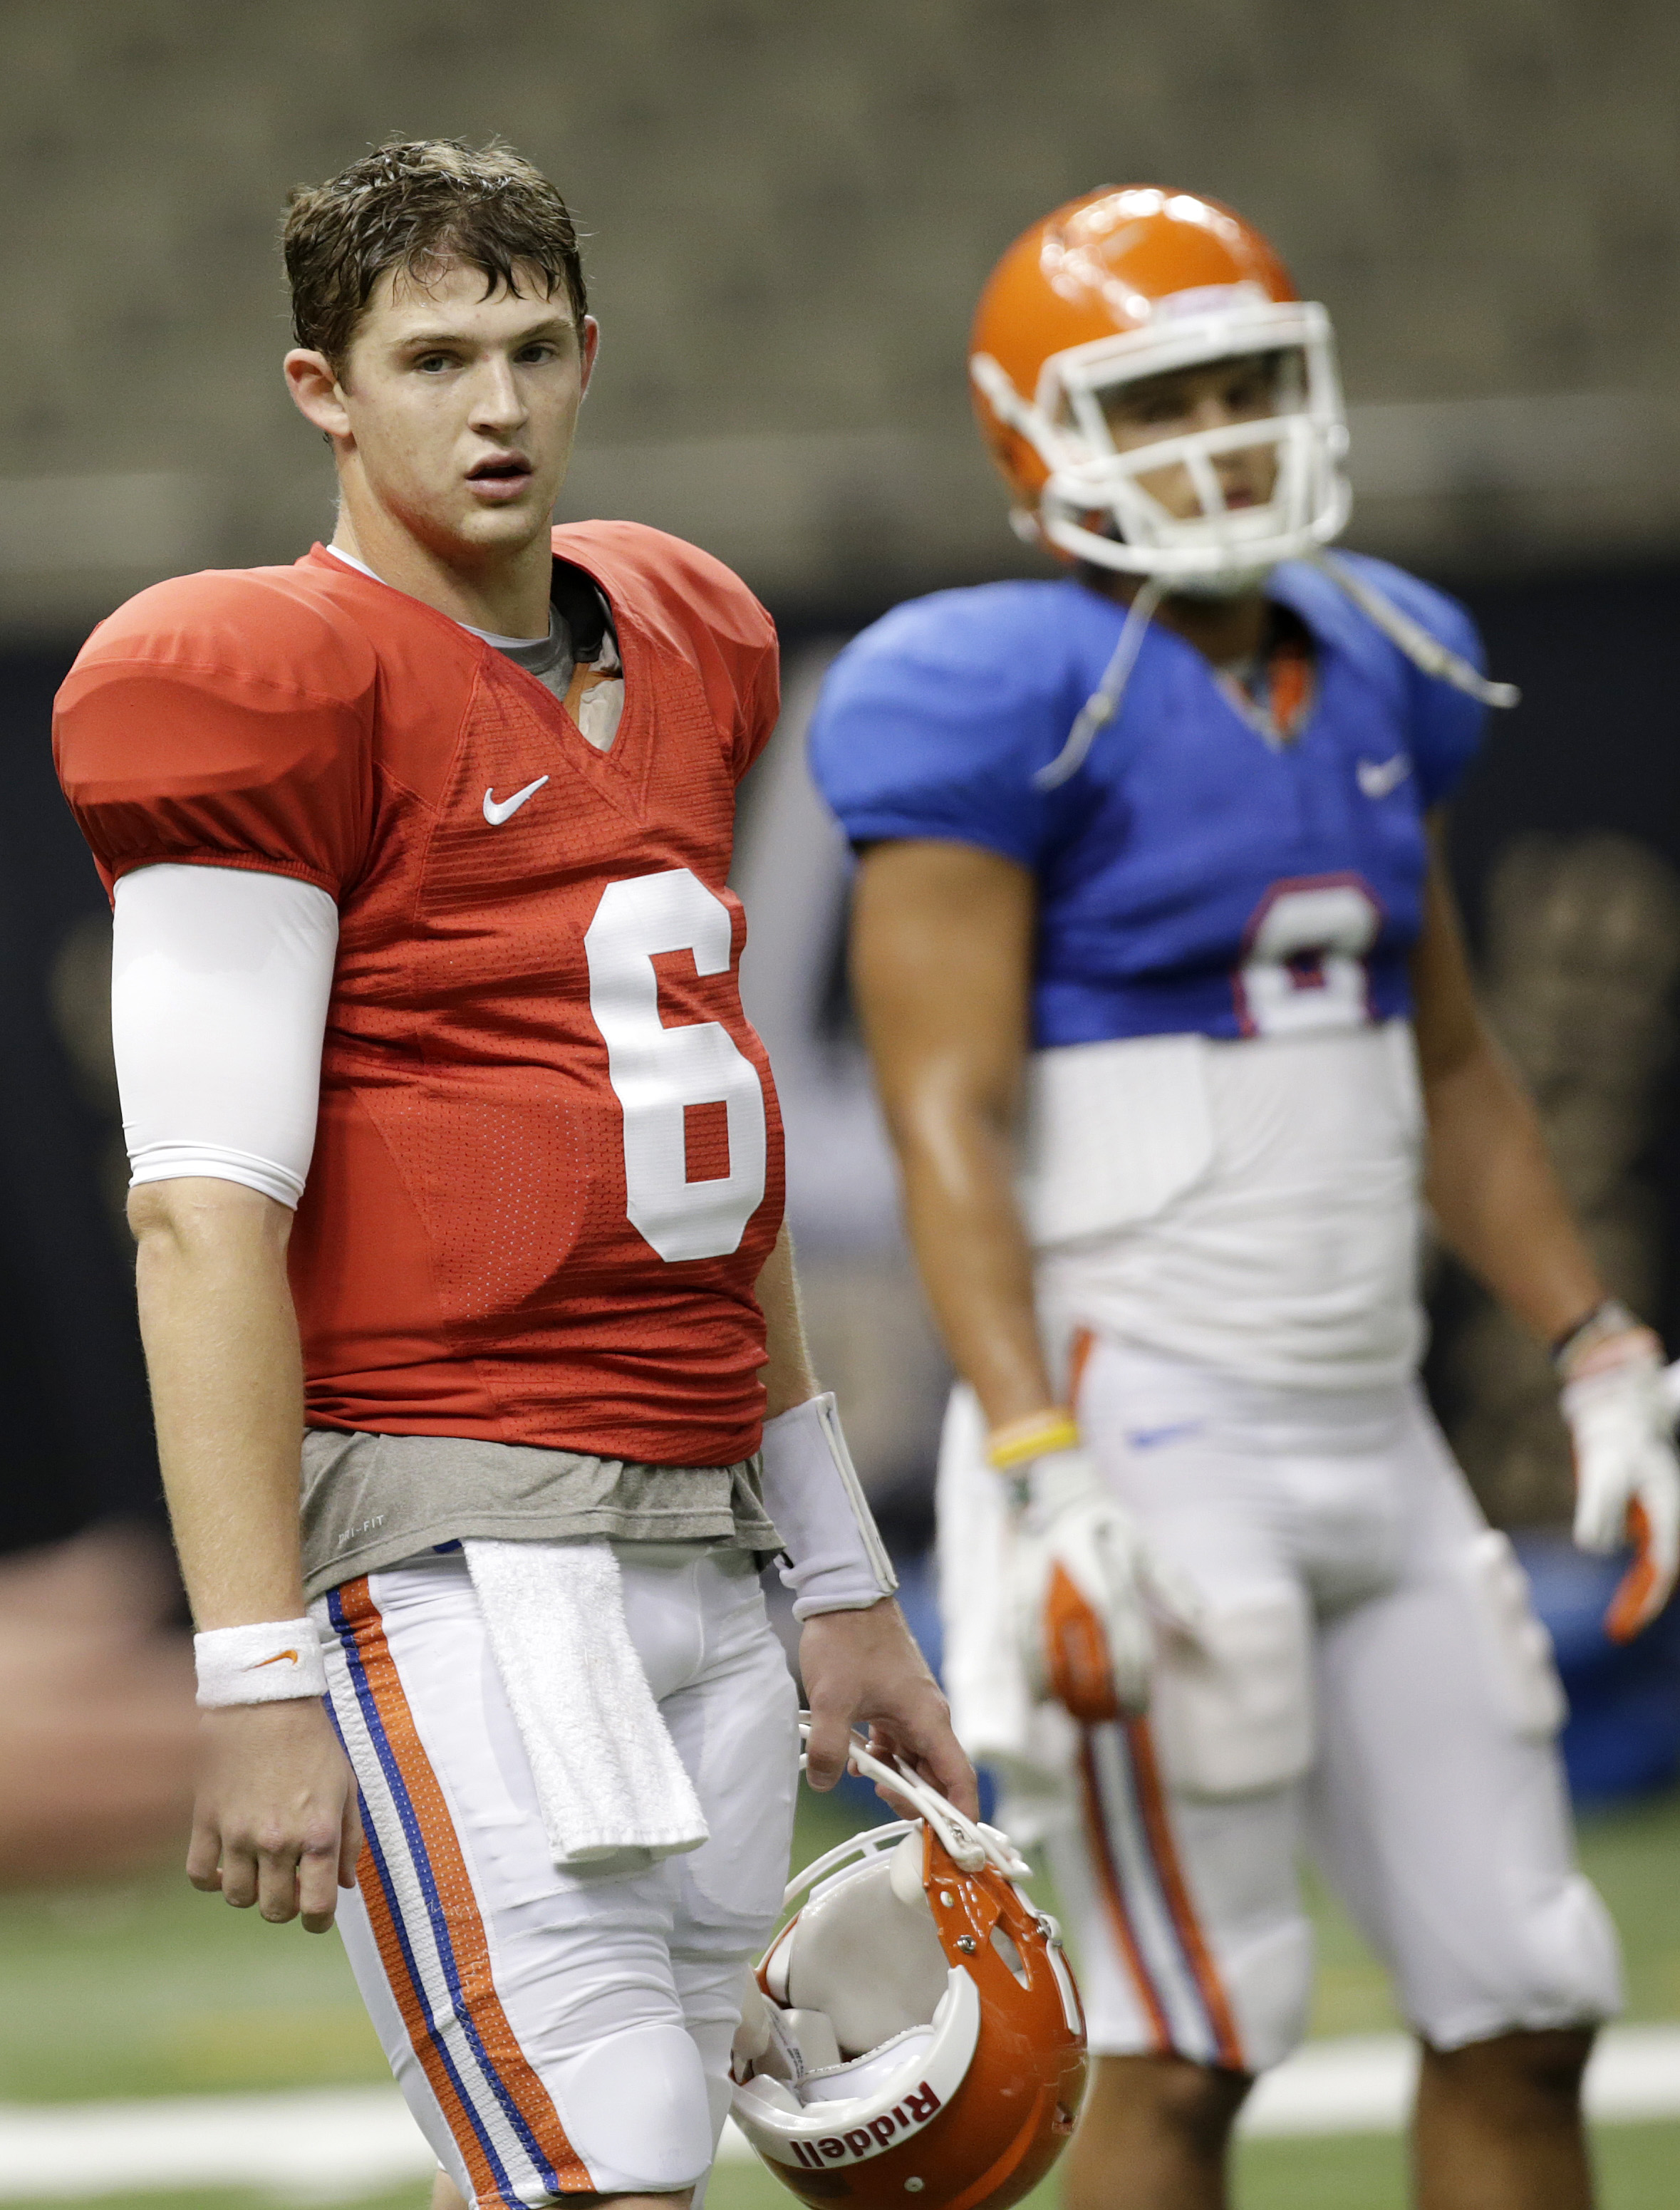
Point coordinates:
[[413, 205]]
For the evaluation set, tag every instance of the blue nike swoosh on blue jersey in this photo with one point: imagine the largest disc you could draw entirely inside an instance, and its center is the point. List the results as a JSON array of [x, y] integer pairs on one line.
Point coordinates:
[[1159, 861]]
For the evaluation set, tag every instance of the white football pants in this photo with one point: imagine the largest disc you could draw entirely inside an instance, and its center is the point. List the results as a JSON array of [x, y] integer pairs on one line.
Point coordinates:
[[1374, 1688], [558, 2032]]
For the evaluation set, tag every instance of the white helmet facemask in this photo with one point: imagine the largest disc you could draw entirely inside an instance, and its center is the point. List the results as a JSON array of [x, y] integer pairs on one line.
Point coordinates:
[[1099, 505]]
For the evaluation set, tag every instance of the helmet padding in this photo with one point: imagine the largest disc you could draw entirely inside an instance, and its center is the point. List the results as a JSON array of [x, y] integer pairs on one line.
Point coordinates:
[[862, 1922]]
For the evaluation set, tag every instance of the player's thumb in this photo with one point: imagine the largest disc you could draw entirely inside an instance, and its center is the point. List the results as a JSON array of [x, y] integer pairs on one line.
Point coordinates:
[[828, 1744], [1654, 1526]]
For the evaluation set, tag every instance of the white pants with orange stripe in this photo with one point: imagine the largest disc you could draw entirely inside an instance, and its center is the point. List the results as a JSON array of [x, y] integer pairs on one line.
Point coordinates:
[[557, 2032], [1373, 1689]]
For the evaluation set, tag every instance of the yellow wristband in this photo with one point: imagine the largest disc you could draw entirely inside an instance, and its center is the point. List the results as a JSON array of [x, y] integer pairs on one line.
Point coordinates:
[[1037, 1435]]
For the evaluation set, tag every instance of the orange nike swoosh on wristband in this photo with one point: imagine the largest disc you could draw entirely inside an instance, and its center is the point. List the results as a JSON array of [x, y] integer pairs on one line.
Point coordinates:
[[278, 1659]]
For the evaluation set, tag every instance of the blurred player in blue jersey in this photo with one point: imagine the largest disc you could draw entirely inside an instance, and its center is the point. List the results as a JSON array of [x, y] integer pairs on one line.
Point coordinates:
[[1159, 966]]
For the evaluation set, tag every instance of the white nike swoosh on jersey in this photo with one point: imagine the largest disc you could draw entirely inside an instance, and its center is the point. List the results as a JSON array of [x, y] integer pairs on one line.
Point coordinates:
[[1378, 778], [496, 811]]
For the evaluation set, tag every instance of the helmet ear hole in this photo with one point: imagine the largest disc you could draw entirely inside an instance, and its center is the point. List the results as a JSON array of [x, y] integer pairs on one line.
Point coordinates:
[[1011, 1955]]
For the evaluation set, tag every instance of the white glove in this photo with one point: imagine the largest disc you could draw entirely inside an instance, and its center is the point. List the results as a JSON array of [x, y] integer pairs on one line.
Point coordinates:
[[1087, 1591], [1627, 1475]]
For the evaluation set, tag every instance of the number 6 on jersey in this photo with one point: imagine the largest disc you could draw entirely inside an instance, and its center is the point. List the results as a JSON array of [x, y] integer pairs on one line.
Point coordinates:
[[657, 1072]]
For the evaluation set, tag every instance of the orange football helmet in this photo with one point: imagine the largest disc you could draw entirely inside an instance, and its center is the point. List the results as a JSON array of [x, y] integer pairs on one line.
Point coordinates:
[[1134, 282], [914, 2029]]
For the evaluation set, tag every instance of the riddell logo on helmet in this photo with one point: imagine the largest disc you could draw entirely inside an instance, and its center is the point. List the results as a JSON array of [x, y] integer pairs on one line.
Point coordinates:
[[906, 2117]]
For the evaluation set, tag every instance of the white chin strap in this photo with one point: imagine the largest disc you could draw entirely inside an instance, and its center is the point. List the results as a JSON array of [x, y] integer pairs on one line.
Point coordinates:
[[1420, 647]]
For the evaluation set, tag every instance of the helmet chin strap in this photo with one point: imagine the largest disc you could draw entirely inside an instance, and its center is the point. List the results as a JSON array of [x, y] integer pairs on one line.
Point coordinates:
[[1422, 649], [1104, 704]]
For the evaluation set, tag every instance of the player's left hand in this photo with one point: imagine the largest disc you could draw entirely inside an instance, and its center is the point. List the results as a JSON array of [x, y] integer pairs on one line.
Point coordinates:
[[862, 1669], [1627, 1473]]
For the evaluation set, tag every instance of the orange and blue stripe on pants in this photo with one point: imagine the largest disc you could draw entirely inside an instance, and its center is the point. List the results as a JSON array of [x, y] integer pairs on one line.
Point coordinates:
[[1146, 1897], [1139, 1877], [431, 1936]]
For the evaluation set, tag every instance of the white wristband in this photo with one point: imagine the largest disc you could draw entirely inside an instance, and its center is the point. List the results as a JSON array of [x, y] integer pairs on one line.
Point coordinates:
[[269, 1664], [837, 1560]]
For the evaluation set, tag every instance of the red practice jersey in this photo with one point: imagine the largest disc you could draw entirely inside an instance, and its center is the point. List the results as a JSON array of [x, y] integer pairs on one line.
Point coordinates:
[[549, 1167]]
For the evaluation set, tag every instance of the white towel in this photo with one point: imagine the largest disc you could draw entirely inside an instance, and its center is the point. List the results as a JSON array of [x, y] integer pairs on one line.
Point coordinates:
[[607, 1774], [1030, 1747]]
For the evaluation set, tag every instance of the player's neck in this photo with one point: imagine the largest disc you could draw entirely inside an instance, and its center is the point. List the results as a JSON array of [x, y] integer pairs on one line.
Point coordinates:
[[506, 594], [1223, 631]]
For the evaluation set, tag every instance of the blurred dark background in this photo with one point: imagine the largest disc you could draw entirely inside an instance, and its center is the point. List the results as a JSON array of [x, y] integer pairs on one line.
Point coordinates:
[[790, 212]]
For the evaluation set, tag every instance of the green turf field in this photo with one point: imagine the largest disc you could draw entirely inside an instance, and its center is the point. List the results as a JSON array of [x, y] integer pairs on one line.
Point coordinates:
[[152, 1989]]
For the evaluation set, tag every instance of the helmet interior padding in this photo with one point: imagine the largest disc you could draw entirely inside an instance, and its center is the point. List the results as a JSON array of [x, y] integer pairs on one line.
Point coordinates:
[[863, 1922]]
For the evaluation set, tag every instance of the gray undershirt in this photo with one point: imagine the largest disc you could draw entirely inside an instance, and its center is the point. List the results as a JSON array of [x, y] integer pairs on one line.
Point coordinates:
[[550, 660], [371, 1501]]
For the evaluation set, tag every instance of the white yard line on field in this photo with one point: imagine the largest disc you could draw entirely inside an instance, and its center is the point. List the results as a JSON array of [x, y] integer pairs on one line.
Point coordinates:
[[337, 2143], [1363, 2084]]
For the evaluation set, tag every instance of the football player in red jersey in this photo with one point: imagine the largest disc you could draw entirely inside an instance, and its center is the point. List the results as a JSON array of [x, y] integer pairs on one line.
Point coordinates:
[[456, 1160]]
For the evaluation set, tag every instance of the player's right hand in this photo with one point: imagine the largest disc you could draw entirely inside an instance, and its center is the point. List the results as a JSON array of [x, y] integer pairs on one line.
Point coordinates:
[[1087, 1592], [275, 1819], [1621, 1422]]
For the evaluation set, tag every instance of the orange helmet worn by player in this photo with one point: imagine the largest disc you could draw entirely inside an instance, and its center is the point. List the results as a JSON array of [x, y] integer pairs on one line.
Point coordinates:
[[1137, 282], [914, 2029]]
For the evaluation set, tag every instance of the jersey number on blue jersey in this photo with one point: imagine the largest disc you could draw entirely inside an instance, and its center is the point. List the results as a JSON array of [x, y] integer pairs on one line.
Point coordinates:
[[1303, 965]]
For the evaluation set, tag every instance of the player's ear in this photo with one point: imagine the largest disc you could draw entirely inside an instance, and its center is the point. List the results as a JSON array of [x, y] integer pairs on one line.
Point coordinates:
[[589, 340], [313, 383]]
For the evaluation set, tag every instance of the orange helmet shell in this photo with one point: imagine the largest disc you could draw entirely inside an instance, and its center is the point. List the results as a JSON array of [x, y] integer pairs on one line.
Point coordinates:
[[1093, 270], [1014, 2110]]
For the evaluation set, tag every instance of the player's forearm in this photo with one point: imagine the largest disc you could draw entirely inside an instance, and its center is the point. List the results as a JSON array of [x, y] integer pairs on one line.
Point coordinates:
[[1496, 1198], [957, 1163], [789, 1376], [226, 1376]]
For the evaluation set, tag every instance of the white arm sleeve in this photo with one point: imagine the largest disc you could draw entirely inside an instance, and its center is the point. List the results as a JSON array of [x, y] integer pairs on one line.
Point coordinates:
[[219, 978]]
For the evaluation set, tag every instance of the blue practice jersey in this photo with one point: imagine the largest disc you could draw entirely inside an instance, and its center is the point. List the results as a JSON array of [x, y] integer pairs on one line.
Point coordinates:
[[1194, 876]]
